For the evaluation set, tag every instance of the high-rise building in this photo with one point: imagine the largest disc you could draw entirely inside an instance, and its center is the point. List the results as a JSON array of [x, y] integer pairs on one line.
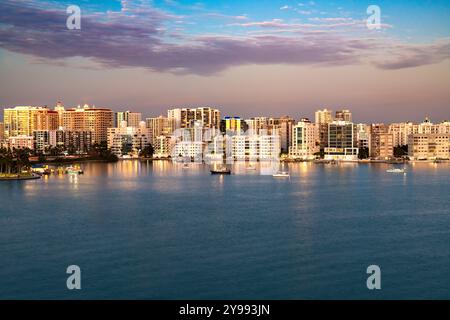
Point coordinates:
[[323, 118], [128, 140], [96, 120], [131, 118], [344, 115], [305, 141], [281, 126], [160, 126], [232, 124], [342, 143], [363, 135], [381, 142], [59, 108], [186, 117], [429, 146], [23, 120]]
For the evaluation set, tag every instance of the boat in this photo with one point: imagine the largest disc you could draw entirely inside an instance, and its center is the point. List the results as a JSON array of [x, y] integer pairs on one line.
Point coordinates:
[[185, 166], [250, 168], [74, 170], [221, 170], [397, 170], [281, 174], [41, 169]]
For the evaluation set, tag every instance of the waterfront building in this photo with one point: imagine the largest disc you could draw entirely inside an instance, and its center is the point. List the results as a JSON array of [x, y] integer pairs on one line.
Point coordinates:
[[429, 146], [128, 140], [341, 141], [363, 135], [86, 118], [131, 118], [162, 147], [21, 142], [41, 140], [306, 140], [255, 147], [401, 131], [381, 142], [186, 117], [23, 120], [322, 119], [160, 126], [281, 126], [344, 115], [79, 142]]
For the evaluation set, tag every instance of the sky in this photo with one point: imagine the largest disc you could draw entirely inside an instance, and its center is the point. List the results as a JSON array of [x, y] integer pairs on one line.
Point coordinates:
[[248, 57]]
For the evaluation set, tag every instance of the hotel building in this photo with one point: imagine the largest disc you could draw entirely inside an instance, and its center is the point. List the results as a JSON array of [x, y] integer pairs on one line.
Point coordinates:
[[429, 146], [306, 141], [96, 120], [342, 144]]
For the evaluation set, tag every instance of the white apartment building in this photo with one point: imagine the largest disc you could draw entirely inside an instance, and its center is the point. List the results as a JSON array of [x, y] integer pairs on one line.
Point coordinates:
[[128, 140], [305, 141], [255, 147]]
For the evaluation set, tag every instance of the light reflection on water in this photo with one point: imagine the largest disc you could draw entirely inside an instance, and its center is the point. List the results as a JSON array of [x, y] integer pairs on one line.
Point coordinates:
[[158, 230]]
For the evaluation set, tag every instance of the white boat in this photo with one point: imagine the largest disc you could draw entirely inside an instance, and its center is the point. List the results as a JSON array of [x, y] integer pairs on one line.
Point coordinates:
[[185, 166], [250, 168], [281, 174], [396, 171], [74, 170]]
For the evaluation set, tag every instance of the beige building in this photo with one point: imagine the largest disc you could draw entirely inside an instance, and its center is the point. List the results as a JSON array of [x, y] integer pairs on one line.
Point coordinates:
[[131, 118], [96, 120], [381, 142], [429, 146], [23, 120], [323, 118], [344, 115], [160, 126], [305, 141], [401, 131], [186, 117]]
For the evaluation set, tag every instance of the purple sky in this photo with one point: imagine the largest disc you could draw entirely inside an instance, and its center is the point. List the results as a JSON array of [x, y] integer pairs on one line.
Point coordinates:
[[150, 56]]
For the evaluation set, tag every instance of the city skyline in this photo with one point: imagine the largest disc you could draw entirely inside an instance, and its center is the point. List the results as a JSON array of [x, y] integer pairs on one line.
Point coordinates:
[[271, 57]]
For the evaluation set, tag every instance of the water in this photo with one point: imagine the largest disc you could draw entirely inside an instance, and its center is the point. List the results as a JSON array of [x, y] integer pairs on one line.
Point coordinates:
[[157, 231]]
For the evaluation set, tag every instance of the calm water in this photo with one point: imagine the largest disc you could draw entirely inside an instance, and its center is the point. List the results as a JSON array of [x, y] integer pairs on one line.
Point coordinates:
[[157, 231]]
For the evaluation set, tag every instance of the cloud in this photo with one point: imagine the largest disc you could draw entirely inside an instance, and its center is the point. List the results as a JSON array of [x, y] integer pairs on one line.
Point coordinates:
[[137, 36]]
